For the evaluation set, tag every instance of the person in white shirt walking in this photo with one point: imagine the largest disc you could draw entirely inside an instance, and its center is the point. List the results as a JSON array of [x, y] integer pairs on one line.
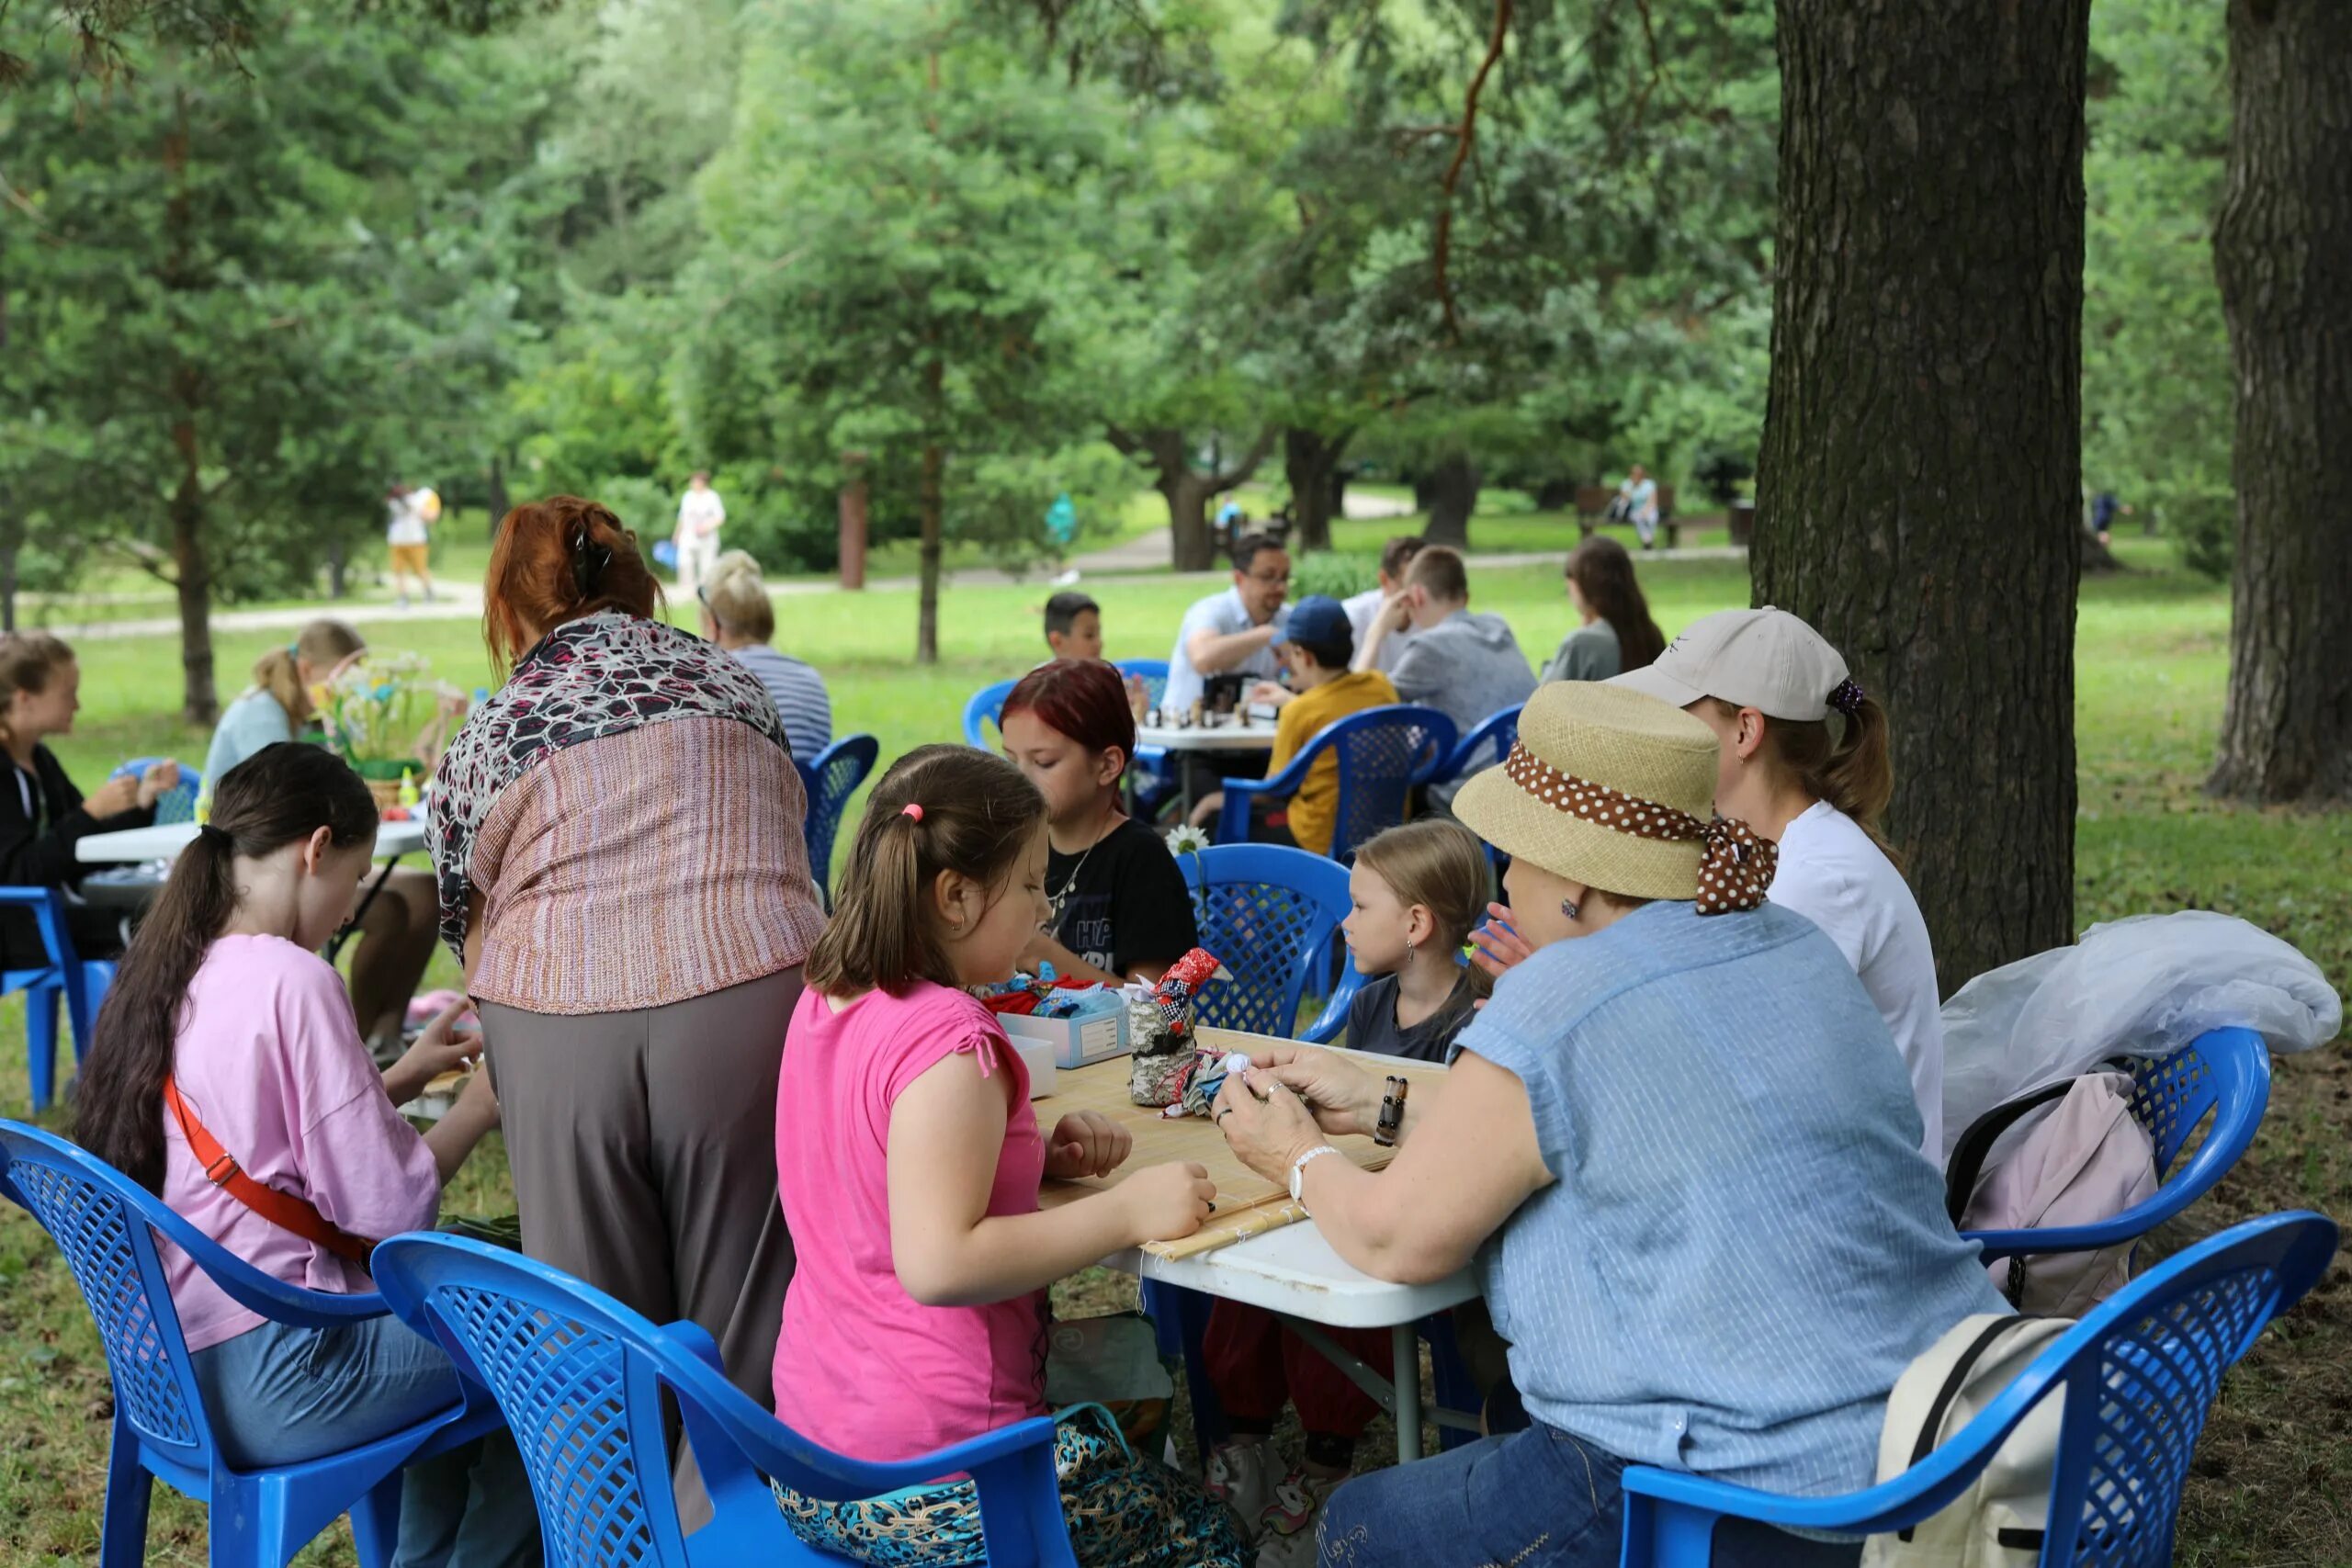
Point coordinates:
[[700, 513], [407, 532]]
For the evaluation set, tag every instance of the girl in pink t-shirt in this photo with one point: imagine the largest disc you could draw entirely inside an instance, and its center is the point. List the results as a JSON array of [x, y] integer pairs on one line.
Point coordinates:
[[907, 1160], [223, 997]]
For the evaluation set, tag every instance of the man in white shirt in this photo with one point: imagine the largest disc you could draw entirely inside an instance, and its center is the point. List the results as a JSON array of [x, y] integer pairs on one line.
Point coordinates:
[[1395, 556], [1639, 492], [411, 513], [1233, 631], [700, 513]]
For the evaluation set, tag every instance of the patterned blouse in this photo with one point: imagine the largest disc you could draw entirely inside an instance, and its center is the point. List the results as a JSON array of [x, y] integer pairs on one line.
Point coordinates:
[[627, 809]]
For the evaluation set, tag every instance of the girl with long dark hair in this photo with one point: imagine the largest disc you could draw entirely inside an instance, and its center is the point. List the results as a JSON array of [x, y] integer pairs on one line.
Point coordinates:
[[1617, 633], [223, 1025]]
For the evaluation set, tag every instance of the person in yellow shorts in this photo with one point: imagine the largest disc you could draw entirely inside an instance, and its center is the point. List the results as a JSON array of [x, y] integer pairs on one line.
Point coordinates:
[[1322, 688], [414, 512]]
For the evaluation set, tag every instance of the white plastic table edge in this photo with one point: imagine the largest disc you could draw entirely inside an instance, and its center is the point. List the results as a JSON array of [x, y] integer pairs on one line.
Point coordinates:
[[131, 846], [1250, 738], [1295, 1272]]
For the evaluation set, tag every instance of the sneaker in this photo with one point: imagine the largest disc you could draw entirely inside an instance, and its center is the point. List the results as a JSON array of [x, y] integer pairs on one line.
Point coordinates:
[[1241, 1476], [1288, 1521]]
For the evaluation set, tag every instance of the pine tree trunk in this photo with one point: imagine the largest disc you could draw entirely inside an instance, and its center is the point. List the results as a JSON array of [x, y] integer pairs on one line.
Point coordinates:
[[2280, 252], [1919, 488], [1452, 488], [930, 505], [199, 703], [1311, 464]]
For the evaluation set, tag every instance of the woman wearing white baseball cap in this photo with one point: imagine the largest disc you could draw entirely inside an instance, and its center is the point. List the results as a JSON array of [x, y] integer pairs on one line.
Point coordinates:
[[1673, 1144], [1804, 758]]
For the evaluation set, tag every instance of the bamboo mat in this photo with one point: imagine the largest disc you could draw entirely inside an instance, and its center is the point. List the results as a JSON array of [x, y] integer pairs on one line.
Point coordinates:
[[1246, 1203]]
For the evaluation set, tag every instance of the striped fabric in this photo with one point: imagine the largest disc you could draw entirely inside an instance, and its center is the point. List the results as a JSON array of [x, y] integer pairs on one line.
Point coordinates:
[[801, 699], [643, 869], [1743, 1248]]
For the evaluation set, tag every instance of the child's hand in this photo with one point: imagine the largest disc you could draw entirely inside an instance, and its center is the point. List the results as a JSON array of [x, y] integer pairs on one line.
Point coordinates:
[[1498, 947], [1165, 1201], [479, 1098], [440, 1048], [1087, 1142]]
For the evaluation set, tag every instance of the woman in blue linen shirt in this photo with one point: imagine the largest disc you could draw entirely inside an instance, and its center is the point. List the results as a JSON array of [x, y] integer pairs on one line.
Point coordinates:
[[1678, 1148]]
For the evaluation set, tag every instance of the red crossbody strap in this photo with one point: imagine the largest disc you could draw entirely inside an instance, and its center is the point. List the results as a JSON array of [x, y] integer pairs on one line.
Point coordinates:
[[281, 1209]]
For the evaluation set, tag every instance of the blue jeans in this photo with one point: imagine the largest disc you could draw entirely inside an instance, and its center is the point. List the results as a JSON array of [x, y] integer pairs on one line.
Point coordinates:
[[1536, 1499], [278, 1395]]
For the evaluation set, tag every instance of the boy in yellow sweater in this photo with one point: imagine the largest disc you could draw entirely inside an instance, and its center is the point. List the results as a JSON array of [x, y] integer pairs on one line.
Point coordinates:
[[1322, 688]]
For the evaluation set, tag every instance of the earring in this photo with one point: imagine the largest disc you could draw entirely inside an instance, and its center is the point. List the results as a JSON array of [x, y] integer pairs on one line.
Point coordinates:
[[1408, 950], [1569, 907]]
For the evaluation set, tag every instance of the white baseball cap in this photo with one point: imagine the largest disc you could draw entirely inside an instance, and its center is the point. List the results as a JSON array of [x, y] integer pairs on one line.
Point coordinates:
[[1765, 659]]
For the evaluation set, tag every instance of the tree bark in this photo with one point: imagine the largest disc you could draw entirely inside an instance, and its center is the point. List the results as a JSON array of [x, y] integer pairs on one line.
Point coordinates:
[[930, 505], [499, 505], [192, 575], [1167, 452], [1311, 464], [2279, 251], [338, 568], [1918, 493], [1452, 491]]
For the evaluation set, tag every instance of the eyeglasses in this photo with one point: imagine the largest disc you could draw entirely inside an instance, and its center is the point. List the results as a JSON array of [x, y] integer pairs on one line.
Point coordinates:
[[1282, 581]]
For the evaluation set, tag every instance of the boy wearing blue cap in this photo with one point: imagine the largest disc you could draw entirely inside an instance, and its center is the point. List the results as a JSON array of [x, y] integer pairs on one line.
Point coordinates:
[[1322, 688]]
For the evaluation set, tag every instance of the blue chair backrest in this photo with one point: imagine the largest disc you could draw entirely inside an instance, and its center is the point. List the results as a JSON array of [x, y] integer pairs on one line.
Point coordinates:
[[2223, 1073], [1268, 913], [980, 714], [1153, 673], [830, 780], [105, 1224], [2138, 1376], [1489, 742], [46, 907], [579, 1378], [174, 805], [1384, 754]]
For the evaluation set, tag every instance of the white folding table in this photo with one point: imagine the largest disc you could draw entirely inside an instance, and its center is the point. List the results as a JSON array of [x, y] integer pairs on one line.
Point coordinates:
[[136, 846]]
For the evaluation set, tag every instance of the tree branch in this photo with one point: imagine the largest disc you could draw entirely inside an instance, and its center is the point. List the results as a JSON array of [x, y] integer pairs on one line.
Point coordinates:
[[1241, 472], [1466, 138]]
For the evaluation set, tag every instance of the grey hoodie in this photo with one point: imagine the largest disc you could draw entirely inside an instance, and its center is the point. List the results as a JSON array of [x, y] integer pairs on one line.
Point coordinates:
[[1468, 667]]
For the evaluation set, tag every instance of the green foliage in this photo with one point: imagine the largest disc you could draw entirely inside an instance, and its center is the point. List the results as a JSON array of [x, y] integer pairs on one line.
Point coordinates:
[[2156, 414], [1331, 573]]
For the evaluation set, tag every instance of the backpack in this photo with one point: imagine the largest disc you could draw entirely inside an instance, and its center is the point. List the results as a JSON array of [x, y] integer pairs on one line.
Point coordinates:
[[1997, 1522], [2087, 1160]]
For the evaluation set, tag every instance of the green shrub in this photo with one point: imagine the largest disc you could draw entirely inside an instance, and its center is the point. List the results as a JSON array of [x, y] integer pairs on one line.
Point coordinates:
[[1329, 572], [2204, 526]]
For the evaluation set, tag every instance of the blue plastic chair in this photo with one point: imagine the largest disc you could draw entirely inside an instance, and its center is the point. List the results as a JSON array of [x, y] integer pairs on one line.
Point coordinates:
[[1153, 673], [829, 782], [580, 1377], [1489, 742], [1150, 776], [1384, 753], [107, 1225], [2138, 1376], [1270, 913], [176, 804], [2224, 1072], [80, 982], [980, 714]]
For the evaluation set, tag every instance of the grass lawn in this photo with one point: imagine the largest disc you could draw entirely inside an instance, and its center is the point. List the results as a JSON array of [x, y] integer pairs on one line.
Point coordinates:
[[2273, 1480]]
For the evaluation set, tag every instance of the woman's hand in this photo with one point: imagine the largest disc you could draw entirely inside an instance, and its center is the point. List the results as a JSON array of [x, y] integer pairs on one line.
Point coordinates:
[[159, 780], [1341, 1096], [1087, 1142], [1163, 1202], [1498, 947], [1264, 1123], [112, 798]]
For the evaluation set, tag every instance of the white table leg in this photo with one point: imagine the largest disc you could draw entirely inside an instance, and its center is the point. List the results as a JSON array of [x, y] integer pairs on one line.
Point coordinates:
[[1405, 1346]]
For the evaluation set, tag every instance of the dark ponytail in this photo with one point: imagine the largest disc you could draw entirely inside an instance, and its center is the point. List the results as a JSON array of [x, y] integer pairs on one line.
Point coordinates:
[[279, 795], [973, 814]]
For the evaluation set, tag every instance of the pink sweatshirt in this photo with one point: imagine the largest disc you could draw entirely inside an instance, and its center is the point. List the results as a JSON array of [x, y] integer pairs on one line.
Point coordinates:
[[270, 1060]]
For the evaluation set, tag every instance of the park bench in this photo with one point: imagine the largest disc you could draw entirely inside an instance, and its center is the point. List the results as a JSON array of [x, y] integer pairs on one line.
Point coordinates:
[[1593, 499]]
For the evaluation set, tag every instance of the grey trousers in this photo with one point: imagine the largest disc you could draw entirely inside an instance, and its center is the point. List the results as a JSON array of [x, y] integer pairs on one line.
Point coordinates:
[[643, 1147]]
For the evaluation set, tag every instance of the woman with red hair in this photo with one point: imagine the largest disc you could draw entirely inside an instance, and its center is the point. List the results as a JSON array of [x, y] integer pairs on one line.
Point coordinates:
[[1120, 908], [616, 832]]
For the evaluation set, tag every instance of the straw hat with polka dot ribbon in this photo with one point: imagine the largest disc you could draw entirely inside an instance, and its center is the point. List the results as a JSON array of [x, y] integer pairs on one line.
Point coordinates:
[[1615, 790]]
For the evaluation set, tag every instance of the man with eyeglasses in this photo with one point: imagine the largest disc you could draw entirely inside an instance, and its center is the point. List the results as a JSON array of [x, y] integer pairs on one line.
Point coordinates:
[[1235, 632]]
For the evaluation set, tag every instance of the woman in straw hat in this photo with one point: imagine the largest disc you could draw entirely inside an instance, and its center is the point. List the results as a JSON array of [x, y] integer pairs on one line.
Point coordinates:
[[1680, 1146]]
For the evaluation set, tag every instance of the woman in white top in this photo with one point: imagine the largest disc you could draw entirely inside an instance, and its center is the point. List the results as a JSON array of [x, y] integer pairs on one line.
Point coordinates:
[[1768, 686]]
